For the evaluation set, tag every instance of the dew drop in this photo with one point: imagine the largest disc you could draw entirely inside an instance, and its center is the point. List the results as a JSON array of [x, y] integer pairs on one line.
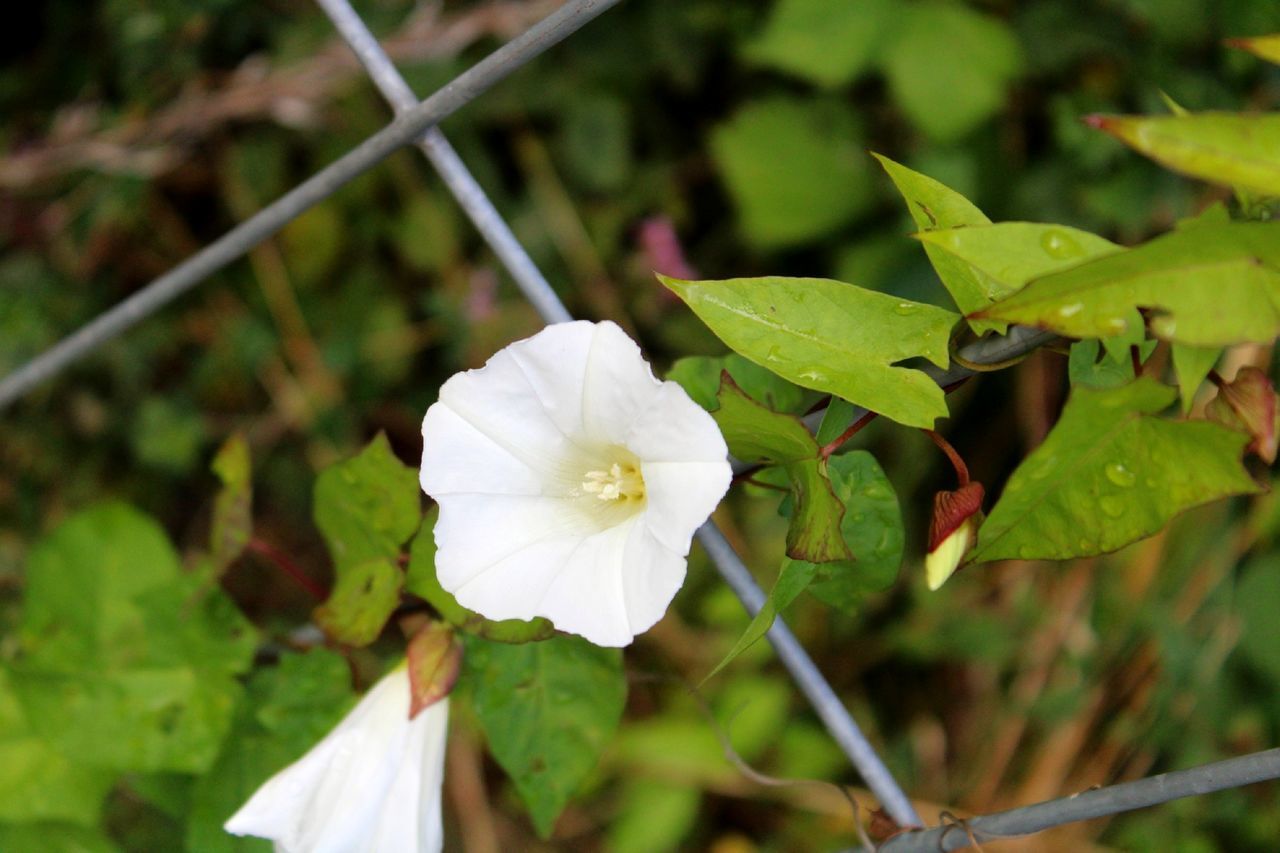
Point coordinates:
[[772, 355], [906, 308], [1058, 244], [1071, 310], [1112, 506], [1120, 475]]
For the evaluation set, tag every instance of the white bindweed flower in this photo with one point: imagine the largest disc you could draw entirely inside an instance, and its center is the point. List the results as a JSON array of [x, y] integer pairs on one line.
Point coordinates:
[[373, 784], [570, 483]]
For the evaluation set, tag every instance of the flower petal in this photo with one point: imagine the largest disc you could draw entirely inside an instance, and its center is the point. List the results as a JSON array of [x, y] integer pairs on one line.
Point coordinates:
[[680, 496], [457, 457], [499, 402], [673, 428], [355, 786], [619, 385], [475, 532], [554, 363]]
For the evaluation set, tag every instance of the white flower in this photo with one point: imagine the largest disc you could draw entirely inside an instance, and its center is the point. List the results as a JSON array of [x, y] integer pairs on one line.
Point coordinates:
[[570, 483], [373, 783]]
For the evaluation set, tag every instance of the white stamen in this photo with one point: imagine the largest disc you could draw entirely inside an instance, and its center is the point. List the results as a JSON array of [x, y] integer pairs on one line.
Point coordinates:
[[618, 482]]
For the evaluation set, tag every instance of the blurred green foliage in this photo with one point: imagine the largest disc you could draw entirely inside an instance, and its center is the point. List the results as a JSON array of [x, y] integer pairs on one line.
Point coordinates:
[[744, 127]]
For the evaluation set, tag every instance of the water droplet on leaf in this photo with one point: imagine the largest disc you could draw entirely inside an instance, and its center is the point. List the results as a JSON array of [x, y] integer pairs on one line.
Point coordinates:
[[1120, 475]]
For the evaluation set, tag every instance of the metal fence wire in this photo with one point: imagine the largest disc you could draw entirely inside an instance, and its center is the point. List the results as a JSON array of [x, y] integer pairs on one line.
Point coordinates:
[[416, 123]]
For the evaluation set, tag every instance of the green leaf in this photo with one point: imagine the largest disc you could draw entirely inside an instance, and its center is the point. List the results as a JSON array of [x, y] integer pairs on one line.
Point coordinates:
[[827, 44], [948, 66], [1086, 365], [1109, 474], [792, 580], [548, 710], [814, 532], [128, 663], [1263, 47], [871, 527], [1211, 285], [1229, 149], [1192, 365], [932, 206], [699, 376], [38, 783], [420, 579], [1258, 600], [1006, 255], [756, 434], [653, 815], [367, 506], [361, 602], [233, 507], [289, 708], [837, 418], [54, 838], [795, 169], [831, 337]]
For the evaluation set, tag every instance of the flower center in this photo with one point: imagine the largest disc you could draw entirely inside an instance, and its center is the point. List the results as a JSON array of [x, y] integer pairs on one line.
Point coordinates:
[[621, 482]]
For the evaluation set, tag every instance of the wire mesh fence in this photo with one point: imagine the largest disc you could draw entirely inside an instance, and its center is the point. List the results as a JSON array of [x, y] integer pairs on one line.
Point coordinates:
[[415, 123]]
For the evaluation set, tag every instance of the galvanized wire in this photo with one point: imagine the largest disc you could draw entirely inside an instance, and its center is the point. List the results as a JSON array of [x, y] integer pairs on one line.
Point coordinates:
[[1098, 802], [407, 126], [844, 730]]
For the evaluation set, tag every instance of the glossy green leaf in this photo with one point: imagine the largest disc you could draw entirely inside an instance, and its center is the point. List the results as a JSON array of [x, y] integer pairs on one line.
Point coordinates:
[[795, 169], [1231, 149], [1263, 47], [1110, 473], [128, 663], [38, 783], [831, 337], [836, 418], [699, 376], [756, 434], [948, 66], [233, 506], [361, 602], [1006, 255], [871, 527], [814, 533], [932, 206], [547, 710], [1088, 365], [288, 709], [827, 44], [1210, 285], [367, 506], [792, 580], [420, 579], [1192, 365]]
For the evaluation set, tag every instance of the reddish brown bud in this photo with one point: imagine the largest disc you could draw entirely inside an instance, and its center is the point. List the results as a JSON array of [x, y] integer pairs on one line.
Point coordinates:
[[1248, 403], [953, 531], [435, 657]]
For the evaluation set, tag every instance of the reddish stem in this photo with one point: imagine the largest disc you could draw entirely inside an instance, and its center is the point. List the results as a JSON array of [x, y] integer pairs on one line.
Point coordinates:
[[832, 446], [753, 481], [1135, 355], [1216, 378], [962, 470], [283, 562]]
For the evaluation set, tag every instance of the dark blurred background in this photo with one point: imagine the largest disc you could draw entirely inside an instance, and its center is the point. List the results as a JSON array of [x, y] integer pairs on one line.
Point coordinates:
[[721, 139]]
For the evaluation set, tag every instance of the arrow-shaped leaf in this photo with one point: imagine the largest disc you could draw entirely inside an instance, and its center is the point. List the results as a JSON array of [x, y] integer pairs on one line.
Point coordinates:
[[1111, 473], [1210, 285], [830, 336]]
